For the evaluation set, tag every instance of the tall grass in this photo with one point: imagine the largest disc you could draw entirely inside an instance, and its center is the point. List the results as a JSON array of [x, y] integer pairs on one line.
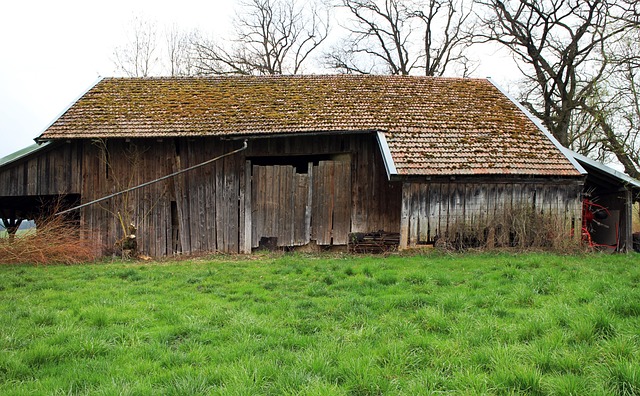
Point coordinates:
[[55, 241], [498, 324]]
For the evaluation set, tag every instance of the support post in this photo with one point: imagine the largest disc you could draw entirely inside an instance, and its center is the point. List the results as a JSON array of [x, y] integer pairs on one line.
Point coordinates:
[[626, 229], [11, 225]]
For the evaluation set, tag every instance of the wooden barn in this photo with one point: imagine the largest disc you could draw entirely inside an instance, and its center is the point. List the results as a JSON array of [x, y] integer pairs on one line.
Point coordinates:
[[235, 163]]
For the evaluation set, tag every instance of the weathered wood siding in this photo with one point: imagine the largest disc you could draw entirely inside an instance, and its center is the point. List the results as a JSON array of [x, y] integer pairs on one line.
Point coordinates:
[[210, 208], [200, 208], [375, 202], [431, 211], [296, 208], [56, 170]]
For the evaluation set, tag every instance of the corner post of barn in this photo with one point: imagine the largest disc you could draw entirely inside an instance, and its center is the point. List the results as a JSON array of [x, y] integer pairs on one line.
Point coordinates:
[[626, 220]]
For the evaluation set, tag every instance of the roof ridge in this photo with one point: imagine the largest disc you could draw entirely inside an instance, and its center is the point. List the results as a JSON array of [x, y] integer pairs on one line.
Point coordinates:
[[299, 76]]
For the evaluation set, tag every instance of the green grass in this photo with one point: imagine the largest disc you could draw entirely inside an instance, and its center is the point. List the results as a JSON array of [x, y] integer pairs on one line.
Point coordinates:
[[500, 324]]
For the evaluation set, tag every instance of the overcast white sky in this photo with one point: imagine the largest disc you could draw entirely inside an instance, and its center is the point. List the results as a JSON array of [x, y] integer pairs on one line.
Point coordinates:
[[51, 52]]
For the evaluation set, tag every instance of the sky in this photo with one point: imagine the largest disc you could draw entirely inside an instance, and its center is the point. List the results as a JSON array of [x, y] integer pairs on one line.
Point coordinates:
[[51, 52]]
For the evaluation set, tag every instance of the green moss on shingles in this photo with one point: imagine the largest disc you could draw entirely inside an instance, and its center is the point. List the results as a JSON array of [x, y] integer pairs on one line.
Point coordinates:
[[406, 107]]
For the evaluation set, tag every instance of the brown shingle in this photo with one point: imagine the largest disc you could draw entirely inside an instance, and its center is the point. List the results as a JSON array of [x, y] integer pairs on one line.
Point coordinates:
[[434, 126]]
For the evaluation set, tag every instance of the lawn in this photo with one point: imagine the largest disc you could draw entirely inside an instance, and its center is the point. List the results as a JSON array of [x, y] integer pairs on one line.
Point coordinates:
[[321, 325]]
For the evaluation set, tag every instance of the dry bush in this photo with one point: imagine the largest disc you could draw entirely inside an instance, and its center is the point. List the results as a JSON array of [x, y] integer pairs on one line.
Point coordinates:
[[56, 241], [519, 228]]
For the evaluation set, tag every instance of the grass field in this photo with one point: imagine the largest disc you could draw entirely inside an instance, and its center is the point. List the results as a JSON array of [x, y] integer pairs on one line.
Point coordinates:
[[437, 324]]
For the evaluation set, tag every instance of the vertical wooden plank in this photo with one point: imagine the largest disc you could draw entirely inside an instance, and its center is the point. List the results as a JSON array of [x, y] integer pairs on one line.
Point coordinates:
[[233, 169], [290, 205], [492, 209], [309, 205], [443, 218], [217, 233], [257, 200], [341, 225], [503, 202], [316, 215], [32, 177], [423, 215], [282, 214], [414, 213], [320, 217], [330, 199], [404, 216], [245, 206], [433, 211], [458, 209], [182, 201], [255, 187], [299, 203]]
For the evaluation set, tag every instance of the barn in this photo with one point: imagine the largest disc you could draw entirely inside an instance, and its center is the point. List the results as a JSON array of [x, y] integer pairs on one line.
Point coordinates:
[[232, 164]]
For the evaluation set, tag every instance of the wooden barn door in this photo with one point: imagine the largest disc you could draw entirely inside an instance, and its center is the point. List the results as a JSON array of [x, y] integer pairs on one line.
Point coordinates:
[[331, 205], [294, 208], [280, 202]]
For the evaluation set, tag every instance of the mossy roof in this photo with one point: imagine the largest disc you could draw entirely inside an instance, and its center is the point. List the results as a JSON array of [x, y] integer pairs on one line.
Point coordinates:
[[434, 126]]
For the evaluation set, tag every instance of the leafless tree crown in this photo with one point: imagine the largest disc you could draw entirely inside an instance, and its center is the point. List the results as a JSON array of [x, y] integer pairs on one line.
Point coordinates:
[[271, 37], [559, 46], [138, 57], [402, 37]]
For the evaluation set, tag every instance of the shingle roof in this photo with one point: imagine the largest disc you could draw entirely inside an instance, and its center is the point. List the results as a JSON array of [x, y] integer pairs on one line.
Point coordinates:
[[434, 126]]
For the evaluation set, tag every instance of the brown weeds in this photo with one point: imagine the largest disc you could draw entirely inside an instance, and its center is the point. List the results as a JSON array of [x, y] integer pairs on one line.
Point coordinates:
[[56, 240], [522, 229]]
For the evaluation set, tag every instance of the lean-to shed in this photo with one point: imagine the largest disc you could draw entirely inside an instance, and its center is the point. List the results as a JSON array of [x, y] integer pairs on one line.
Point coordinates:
[[328, 161]]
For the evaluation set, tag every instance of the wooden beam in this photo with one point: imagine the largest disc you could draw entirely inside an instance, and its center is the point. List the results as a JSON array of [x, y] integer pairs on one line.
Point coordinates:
[[626, 222]]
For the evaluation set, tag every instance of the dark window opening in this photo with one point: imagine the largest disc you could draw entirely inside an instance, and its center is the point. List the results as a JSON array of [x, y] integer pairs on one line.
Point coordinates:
[[300, 162], [176, 143]]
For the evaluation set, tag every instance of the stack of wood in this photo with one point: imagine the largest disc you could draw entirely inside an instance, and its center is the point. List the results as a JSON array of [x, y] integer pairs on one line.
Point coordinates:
[[373, 242]]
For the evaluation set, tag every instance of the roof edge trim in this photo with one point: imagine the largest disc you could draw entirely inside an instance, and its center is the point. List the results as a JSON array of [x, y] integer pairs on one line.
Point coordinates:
[[389, 165], [39, 139], [565, 151], [607, 169]]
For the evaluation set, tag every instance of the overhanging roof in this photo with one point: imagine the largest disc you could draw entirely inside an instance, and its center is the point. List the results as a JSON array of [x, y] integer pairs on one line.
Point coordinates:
[[432, 126], [22, 153], [604, 172]]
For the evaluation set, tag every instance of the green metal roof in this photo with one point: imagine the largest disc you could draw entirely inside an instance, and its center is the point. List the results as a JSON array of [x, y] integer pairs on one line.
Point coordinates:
[[22, 153]]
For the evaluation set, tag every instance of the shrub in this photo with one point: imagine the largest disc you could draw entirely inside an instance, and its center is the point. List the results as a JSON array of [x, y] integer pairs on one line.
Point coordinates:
[[518, 227], [56, 240]]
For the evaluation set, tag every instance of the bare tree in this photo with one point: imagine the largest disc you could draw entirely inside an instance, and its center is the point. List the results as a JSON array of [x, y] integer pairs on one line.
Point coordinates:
[[402, 36], [138, 57], [448, 31], [615, 111], [178, 51], [559, 46], [272, 37]]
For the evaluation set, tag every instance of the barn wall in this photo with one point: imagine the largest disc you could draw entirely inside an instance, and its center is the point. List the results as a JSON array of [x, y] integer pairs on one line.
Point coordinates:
[[53, 171], [375, 202], [205, 209], [454, 210]]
